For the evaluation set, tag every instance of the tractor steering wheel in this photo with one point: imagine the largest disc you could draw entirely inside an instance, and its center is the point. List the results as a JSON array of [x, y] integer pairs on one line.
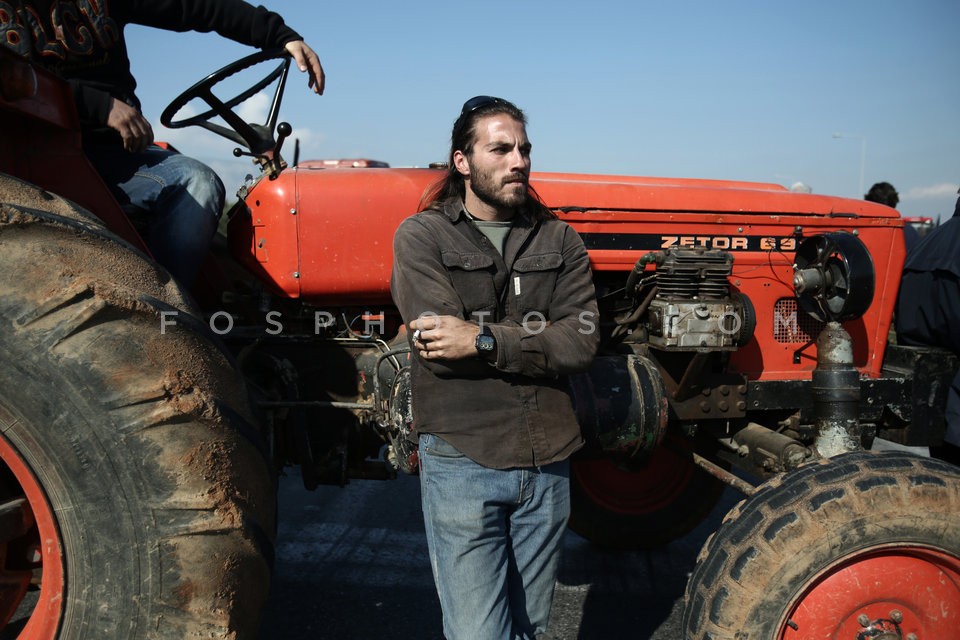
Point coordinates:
[[257, 138]]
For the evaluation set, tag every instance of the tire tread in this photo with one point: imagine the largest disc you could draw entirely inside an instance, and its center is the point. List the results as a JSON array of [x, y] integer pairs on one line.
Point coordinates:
[[768, 533]]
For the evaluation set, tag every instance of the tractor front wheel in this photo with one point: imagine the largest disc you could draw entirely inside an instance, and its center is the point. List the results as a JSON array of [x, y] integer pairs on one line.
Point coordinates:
[[863, 545]]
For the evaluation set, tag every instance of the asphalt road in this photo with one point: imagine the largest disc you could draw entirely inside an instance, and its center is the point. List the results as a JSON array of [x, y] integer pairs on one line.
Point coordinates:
[[352, 564]]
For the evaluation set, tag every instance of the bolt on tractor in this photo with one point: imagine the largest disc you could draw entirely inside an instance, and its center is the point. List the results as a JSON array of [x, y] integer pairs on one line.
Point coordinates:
[[746, 342]]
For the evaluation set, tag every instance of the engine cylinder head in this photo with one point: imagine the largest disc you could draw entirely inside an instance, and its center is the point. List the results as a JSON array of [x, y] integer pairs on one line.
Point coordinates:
[[694, 275]]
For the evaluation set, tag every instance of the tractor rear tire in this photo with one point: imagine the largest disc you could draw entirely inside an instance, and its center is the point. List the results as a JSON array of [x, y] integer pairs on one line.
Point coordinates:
[[144, 505], [861, 545], [623, 509]]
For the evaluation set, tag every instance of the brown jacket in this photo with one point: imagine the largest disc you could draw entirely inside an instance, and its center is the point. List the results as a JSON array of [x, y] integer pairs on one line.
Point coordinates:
[[515, 412]]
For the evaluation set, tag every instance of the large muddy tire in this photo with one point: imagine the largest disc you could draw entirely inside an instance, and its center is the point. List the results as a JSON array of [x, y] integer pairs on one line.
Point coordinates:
[[133, 490], [645, 508], [864, 545]]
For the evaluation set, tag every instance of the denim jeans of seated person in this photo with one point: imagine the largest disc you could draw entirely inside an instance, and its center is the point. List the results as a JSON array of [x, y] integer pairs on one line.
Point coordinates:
[[182, 196], [494, 538]]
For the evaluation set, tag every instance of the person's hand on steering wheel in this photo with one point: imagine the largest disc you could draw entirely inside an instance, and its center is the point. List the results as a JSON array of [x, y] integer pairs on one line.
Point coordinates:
[[307, 60]]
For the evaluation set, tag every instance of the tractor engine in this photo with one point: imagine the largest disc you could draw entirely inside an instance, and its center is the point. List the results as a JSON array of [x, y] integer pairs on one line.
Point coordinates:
[[686, 302], [682, 311]]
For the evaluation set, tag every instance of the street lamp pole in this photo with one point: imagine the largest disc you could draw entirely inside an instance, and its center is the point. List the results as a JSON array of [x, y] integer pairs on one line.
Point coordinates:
[[863, 154]]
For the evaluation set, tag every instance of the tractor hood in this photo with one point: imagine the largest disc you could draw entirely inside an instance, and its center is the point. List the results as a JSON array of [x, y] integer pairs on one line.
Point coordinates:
[[325, 234]]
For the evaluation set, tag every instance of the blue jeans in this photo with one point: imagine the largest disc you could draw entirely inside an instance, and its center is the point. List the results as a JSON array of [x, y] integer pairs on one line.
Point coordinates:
[[183, 197], [494, 538]]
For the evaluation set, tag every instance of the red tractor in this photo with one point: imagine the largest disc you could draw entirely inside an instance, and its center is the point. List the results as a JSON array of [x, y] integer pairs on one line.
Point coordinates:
[[745, 327]]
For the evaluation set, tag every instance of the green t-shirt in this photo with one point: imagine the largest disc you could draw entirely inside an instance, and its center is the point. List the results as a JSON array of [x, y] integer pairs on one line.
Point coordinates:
[[496, 231]]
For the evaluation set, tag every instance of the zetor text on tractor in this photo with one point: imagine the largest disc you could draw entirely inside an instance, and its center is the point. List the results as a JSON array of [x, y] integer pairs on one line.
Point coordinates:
[[745, 328]]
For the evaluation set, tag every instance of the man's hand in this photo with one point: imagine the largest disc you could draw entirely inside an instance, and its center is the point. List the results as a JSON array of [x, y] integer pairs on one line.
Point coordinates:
[[136, 132], [445, 337], [308, 61]]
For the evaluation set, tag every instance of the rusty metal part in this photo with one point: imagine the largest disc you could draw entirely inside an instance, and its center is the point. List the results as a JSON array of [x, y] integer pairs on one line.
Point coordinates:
[[722, 474], [880, 629], [836, 393], [316, 404], [769, 449], [621, 405], [721, 396], [713, 469]]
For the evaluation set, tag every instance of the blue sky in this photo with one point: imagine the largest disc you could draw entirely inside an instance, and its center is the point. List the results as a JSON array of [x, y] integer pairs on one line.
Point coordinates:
[[744, 90]]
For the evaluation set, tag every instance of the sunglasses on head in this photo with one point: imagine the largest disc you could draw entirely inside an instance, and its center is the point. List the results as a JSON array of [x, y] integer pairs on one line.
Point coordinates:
[[477, 102]]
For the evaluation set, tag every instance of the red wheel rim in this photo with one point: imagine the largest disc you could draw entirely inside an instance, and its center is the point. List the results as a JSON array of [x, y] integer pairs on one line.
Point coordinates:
[[648, 490], [916, 587], [45, 618]]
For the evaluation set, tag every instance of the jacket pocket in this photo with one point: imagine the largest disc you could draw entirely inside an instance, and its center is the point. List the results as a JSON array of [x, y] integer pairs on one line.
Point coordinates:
[[472, 277], [534, 280]]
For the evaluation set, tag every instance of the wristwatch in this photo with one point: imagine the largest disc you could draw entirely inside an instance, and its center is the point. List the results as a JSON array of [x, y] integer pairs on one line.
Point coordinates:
[[485, 343]]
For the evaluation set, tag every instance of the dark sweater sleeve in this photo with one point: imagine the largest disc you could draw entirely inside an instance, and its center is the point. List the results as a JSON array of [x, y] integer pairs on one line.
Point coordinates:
[[234, 19], [93, 105]]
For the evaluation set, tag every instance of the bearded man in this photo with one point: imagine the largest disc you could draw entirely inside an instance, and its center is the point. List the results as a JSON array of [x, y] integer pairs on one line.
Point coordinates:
[[500, 304]]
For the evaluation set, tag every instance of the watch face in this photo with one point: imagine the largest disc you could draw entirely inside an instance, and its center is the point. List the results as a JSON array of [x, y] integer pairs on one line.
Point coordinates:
[[485, 343]]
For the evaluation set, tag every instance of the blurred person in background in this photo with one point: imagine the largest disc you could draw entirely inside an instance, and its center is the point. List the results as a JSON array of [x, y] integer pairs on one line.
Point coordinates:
[[928, 310]]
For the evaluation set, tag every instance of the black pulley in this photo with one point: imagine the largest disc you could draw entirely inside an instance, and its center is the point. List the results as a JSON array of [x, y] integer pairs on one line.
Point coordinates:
[[833, 276]]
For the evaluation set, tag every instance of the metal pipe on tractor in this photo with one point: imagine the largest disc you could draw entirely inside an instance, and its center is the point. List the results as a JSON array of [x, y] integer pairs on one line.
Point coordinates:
[[836, 393], [834, 282]]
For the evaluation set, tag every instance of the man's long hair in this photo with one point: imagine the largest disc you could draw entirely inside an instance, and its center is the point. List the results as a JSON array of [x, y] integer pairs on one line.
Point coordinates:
[[453, 185]]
